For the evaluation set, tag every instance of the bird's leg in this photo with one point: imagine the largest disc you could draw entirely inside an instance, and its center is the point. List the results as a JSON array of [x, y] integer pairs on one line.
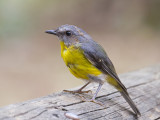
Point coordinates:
[[79, 90], [94, 96]]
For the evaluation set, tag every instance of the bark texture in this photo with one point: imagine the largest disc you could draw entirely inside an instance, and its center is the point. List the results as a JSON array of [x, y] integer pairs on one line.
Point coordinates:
[[143, 87]]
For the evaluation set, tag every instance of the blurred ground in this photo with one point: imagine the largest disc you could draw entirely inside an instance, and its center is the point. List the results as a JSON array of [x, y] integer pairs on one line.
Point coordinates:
[[30, 61]]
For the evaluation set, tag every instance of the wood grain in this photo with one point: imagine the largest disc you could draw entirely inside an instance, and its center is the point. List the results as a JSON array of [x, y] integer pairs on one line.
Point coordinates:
[[143, 86]]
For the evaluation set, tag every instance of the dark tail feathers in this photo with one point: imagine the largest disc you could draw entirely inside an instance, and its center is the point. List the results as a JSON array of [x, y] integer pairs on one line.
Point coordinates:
[[130, 102]]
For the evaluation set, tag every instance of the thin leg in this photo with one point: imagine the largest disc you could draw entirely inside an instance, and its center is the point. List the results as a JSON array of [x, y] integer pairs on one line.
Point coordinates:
[[94, 96], [98, 89], [79, 90]]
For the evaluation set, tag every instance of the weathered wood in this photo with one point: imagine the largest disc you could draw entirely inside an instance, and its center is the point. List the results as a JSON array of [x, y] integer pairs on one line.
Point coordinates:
[[143, 87]]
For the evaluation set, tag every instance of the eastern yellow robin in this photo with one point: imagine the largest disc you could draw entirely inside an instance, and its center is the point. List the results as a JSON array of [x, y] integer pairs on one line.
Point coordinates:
[[86, 59]]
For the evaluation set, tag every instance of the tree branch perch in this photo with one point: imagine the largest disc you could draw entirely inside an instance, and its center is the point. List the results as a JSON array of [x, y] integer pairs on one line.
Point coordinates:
[[143, 86]]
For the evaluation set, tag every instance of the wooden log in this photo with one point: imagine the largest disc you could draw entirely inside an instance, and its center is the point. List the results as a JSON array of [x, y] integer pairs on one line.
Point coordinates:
[[143, 86]]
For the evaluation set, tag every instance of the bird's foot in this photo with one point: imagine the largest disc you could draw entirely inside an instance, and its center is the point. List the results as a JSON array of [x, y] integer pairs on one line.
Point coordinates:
[[91, 100], [77, 91]]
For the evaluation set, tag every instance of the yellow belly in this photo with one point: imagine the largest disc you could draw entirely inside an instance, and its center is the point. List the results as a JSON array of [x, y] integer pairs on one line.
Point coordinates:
[[78, 65]]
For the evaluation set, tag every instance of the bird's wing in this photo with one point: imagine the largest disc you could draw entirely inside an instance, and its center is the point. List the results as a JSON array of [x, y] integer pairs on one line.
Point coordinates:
[[98, 57]]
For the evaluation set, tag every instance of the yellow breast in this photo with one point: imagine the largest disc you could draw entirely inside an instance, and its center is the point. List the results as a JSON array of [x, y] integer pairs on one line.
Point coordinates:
[[77, 63]]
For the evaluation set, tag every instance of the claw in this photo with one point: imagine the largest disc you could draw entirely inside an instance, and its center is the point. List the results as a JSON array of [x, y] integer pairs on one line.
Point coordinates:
[[91, 100], [77, 91]]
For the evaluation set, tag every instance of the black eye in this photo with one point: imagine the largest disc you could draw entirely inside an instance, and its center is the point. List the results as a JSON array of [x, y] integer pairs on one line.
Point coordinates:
[[68, 33]]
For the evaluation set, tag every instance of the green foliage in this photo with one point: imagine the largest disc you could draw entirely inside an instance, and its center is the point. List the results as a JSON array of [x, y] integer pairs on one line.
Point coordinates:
[[152, 17]]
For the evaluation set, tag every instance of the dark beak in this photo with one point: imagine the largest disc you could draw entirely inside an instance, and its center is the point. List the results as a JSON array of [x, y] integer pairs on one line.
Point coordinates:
[[51, 32]]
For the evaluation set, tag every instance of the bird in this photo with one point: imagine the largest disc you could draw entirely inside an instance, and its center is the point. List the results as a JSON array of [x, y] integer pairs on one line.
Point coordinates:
[[87, 60]]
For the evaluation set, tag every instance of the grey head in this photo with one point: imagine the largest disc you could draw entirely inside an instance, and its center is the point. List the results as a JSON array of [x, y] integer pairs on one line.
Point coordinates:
[[70, 34]]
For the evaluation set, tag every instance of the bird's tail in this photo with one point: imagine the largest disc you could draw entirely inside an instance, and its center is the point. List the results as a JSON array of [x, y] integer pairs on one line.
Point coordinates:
[[130, 102], [121, 88]]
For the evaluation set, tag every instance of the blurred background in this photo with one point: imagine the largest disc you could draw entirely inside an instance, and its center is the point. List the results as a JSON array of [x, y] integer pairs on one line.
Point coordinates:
[[30, 61]]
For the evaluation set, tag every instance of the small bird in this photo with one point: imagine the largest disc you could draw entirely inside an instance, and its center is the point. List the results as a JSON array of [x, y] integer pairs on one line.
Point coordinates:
[[86, 59]]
